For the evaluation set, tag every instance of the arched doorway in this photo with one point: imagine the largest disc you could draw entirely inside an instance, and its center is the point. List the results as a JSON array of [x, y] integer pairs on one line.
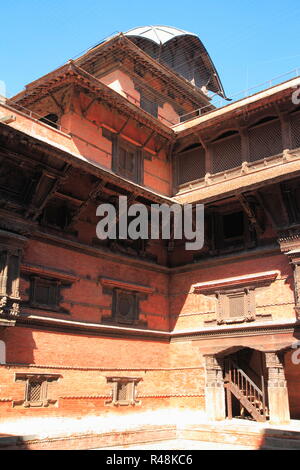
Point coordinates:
[[245, 384]]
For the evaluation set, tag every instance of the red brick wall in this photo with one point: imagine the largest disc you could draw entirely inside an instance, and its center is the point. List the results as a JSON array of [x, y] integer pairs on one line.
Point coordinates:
[[189, 310]]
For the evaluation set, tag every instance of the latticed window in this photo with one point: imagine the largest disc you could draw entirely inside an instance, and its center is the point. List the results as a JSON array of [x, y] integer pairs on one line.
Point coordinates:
[[265, 139], [123, 390], [191, 165], [36, 389], [295, 129], [34, 394], [226, 152], [45, 293], [236, 305]]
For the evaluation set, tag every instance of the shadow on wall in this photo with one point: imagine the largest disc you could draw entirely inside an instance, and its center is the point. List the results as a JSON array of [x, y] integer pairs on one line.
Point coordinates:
[[17, 346]]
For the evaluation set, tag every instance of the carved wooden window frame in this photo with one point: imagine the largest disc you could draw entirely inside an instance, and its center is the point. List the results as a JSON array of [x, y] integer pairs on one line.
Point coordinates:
[[117, 316], [223, 305], [55, 284], [130, 383], [226, 245], [43, 380], [119, 144]]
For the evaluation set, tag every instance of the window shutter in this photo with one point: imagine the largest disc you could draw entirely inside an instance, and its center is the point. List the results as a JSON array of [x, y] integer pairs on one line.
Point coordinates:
[[265, 140], [236, 306]]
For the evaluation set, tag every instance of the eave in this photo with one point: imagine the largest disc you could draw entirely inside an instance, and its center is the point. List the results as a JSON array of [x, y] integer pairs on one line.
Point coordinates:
[[170, 77], [236, 109], [70, 73], [36, 144]]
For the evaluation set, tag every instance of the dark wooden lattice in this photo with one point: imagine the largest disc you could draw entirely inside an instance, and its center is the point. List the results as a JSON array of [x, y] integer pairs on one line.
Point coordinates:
[[126, 161], [226, 154], [45, 293], [265, 140], [34, 391], [191, 165], [295, 129], [123, 391]]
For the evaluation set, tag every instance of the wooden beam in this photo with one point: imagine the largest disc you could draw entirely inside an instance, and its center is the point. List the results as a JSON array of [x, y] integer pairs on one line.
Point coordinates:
[[56, 102], [250, 213]]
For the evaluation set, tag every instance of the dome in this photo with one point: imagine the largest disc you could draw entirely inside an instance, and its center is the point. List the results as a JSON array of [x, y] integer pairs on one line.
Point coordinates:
[[158, 34], [181, 51]]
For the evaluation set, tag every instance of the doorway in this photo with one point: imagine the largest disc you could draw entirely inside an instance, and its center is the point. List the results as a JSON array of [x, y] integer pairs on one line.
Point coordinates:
[[245, 384]]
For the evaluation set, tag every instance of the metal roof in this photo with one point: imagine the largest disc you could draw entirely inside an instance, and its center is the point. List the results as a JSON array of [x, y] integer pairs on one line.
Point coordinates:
[[191, 56], [158, 34]]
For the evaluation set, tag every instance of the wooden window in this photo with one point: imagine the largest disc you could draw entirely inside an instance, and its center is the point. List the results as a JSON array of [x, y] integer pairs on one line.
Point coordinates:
[[232, 232], [127, 160], [45, 293], [125, 306], [149, 105], [36, 389], [233, 226], [190, 164], [236, 305], [295, 129], [265, 139], [57, 214], [226, 152], [123, 390]]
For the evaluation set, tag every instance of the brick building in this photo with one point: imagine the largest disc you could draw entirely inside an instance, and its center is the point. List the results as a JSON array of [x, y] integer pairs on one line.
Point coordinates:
[[126, 330]]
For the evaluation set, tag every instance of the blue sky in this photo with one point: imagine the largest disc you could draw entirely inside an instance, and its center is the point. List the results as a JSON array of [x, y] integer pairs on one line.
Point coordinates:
[[250, 41]]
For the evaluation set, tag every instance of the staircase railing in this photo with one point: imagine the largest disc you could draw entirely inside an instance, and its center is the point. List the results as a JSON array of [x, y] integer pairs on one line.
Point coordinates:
[[245, 390]]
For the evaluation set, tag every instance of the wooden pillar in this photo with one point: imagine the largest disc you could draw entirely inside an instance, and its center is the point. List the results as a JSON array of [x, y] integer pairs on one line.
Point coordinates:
[[214, 389], [244, 145], [208, 160], [296, 269], [10, 257], [277, 389], [286, 131], [293, 254]]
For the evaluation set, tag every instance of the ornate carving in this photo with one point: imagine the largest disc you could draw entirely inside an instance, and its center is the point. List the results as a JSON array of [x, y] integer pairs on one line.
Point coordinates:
[[294, 257], [276, 375], [214, 371], [9, 280]]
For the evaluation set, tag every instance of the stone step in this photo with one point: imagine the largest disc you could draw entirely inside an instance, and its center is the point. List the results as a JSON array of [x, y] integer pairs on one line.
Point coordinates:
[[258, 437]]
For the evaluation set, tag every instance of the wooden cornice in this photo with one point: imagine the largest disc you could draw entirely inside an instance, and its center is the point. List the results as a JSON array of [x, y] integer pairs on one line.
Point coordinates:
[[48, 272], [249, 279], [111, 283], [194, 334]]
